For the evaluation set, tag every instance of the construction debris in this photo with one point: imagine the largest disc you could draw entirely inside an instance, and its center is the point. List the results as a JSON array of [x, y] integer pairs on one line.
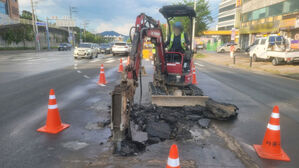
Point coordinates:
[[152, 124], [161, 123]]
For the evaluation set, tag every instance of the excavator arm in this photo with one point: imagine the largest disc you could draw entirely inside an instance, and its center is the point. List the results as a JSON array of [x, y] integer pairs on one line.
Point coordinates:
[[123, 94]]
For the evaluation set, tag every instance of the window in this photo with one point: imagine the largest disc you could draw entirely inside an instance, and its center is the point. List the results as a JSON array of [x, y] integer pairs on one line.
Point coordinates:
[[2, 8], [275, 9], [227, 8], [259, 14], [231, 17]]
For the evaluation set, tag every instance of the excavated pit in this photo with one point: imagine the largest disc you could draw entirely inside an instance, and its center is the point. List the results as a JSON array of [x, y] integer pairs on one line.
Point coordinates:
[[151, 124]]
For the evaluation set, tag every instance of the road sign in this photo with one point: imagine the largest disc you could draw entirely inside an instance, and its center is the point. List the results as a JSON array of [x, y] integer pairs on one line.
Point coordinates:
[[41, 24]]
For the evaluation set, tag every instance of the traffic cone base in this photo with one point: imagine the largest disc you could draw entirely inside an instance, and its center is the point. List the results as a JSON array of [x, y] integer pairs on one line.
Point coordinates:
[[53, 131], [282, 156], [53, 124], [271, 146]]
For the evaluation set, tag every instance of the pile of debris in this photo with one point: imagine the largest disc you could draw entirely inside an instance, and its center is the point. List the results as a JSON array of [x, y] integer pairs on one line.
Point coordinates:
[[161, 123], [151, 124]]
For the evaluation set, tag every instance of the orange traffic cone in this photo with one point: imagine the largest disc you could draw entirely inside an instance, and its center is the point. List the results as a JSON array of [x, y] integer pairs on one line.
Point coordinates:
[[102, 79], [121, 68], [173, 158], [271, 149], [128, 60], [53, 123], [193, 75]]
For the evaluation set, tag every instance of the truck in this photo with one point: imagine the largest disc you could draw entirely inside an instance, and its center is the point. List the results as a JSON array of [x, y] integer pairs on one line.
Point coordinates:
[[274, 48]]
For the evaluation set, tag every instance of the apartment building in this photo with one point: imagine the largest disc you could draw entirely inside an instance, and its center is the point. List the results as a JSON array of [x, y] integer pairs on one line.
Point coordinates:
[[227, 15], [9, 10], [260, 18]]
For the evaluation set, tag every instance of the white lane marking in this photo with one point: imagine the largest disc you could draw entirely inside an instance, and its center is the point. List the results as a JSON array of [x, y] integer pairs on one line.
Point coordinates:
[[96, 60], [79, 71], [87, 77], [75, 68], [75, 64], [199, 64], [109, 61]]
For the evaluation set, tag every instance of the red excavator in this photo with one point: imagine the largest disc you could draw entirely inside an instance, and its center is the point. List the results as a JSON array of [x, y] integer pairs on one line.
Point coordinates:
[[172, 79]]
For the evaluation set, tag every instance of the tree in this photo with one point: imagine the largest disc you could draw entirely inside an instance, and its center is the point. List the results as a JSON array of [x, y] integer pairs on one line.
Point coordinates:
[[203, 16], [17, 34], [26, 15]]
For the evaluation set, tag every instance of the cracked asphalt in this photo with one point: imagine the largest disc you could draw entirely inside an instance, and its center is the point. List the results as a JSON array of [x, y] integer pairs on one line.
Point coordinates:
[[25, 81]]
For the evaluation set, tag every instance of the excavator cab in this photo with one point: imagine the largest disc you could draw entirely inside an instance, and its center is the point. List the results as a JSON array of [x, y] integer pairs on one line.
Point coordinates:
[[179, 63]]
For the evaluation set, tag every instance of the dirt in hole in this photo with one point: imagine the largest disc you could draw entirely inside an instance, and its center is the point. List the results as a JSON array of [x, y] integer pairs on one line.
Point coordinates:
[[151, 124]]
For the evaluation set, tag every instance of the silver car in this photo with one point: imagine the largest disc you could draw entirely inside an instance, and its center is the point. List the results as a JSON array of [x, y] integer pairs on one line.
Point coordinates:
[[86, 50]]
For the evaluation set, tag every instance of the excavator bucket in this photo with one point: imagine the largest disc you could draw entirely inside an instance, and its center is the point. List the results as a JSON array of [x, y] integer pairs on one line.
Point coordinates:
[[179, 101], [179, 97]]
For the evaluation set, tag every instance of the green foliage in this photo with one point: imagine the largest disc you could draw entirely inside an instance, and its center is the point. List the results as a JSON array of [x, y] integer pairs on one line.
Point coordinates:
[[163, 27], [89, 37], [26, 15], [203, 16], [17, 34]]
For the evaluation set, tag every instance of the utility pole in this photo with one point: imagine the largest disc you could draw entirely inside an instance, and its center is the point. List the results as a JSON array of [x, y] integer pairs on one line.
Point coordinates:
[[71, 10], [193, 29], [33, 24], [37, 35], [48, 34]]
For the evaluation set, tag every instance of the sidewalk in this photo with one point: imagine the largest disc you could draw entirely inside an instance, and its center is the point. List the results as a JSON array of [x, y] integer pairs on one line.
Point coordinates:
[[243, 62]]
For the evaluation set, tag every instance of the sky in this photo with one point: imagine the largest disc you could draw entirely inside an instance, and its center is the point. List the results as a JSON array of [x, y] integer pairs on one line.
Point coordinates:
[[106, 15]]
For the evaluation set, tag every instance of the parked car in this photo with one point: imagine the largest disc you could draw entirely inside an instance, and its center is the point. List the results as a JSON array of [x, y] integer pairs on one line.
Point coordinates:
[[97, 46], [273, 48], [105, 48], [86, 50], [120, 48], [64, 47], [226, 48]]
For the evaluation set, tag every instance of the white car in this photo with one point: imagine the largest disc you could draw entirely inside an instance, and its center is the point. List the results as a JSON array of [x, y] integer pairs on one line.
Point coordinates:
[[226, 48], [120, 48], [86, 50]]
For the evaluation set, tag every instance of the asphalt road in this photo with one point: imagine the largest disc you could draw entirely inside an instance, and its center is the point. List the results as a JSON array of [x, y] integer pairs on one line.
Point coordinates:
[[24, 89], [255, 95]]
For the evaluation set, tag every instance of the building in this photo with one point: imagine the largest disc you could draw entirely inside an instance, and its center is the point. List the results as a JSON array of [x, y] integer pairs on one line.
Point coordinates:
[[9, 10], [260, 18], [227, 15]]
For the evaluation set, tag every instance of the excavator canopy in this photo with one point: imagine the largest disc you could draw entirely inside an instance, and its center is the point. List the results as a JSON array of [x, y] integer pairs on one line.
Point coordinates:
[[171, 11]]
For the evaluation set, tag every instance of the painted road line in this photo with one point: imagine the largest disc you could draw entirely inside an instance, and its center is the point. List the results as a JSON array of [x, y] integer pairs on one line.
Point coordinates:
[[75, 67], [95, 60], [109, 61], [79, 71], [87, 77], [199, 64]]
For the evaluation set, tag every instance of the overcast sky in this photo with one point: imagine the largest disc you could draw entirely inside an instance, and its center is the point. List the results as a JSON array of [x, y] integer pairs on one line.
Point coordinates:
[[103, 15]]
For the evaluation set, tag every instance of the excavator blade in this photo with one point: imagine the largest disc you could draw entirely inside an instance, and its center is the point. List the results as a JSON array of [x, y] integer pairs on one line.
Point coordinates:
[[178, 101]]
